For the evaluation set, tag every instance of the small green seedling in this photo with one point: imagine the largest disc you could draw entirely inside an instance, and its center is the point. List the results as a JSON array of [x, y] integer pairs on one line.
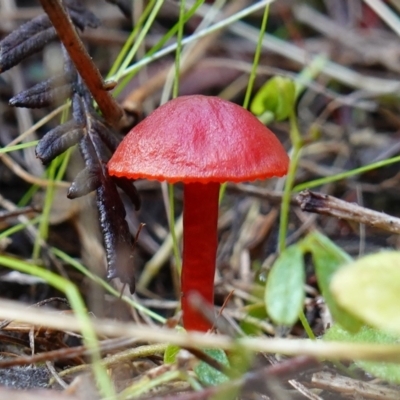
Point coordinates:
[[284, 292]]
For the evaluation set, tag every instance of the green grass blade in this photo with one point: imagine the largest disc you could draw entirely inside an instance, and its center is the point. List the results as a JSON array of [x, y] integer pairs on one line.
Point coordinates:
[[139, 39], [256, 60], [217, 26], [123, 55], [347, 174], [16, 147], [18, 227], [126, 77]]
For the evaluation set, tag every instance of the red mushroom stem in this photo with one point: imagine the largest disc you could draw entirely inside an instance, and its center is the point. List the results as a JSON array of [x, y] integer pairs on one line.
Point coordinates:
[[200, 241]]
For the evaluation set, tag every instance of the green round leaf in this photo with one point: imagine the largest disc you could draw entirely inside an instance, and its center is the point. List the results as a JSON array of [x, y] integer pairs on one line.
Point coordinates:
[[369, 288]]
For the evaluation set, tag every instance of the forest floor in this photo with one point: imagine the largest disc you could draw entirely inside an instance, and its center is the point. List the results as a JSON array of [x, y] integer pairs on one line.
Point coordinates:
[[340, 202]]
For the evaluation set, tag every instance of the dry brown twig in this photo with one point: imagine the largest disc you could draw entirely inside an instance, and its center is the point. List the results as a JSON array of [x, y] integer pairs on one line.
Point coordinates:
[[324, 204], [346, 386], [364, 46], [27, 177], [263, 380], [292, 347]]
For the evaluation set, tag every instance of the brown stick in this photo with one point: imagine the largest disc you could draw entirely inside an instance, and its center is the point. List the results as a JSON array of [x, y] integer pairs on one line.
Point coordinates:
[[344, 386], [323, 204], [262, 380], [81, 58]]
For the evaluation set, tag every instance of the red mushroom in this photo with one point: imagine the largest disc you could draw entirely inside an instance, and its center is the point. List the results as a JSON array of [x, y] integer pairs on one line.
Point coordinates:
[[201, 141]]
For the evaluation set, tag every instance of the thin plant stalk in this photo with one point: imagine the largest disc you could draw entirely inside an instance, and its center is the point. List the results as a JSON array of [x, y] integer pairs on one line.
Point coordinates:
[[344, 175], [256, 60], [297, 144], [171, 219], [175, 28], [219, 25], [18, 147], [252, 76], [54, 174], [139, 39], [48, 202], [175, 92], [306, 325], [19, 227], [53, 177], [128, 77], [26, 198], [123, 54], [181, 24], [37, 125]]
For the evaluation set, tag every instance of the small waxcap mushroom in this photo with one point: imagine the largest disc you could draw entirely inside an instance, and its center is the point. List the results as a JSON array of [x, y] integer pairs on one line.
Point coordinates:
[[201, 141]]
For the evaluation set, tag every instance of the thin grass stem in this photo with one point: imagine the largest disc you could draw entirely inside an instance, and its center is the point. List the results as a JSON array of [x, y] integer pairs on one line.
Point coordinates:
[[256, 60], [219, 25], [139, 40], [18, 147], [123, 54], [344, 175]]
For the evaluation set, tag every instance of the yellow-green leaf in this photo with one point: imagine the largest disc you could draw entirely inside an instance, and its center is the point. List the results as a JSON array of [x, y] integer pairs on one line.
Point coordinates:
[[276, 96], [369, 289], [170, 353]]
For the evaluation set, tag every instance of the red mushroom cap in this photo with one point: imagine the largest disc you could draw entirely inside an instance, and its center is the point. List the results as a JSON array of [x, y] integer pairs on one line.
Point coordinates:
[[199, 139]]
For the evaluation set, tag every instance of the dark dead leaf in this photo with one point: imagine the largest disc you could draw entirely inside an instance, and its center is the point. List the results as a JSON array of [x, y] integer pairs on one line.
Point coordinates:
[[59, 139], [84, 183]]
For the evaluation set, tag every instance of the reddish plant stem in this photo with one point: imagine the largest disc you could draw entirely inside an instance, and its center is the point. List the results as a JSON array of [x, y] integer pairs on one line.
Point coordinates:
[[82, 60], [200, 241]]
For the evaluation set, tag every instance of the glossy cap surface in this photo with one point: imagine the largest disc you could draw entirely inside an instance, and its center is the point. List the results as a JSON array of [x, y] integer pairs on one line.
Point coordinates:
[[199, 139]]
